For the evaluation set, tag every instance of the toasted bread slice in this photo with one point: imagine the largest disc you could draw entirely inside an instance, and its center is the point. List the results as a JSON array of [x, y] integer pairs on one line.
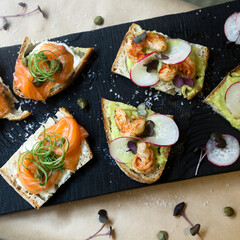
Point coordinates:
[[9, 170], [199, 55], [84, 54], [108, 108], [216, 99], [15, 114]]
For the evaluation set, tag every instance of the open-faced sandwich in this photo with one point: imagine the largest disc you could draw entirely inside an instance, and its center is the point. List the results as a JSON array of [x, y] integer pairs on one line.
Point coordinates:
[[7, 107], [48, 158], [44, 69], [139, 139], [225, 98], [153, 59]]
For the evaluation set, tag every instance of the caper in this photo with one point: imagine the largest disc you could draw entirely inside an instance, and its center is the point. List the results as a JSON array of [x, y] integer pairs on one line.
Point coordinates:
[[37, 83], [218, 139], [38, 175], [98, 20], [228, 211], [25, 62], [82, 103], [56, 64], [162, 235], [60, 142]]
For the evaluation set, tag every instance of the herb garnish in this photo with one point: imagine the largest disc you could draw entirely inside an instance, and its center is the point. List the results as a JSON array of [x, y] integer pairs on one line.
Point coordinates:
[[103, 218], [44, 156], [21, 13], [179, 211]]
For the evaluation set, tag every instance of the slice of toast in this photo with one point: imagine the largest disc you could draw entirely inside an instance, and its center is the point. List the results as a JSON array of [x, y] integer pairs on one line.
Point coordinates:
[[199, 55], [84, 53], [15, 114], [216, 99], [108, 112], [9, 170]]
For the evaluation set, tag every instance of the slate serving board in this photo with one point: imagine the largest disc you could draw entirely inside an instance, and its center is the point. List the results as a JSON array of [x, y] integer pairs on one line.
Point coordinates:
[[196, 121]]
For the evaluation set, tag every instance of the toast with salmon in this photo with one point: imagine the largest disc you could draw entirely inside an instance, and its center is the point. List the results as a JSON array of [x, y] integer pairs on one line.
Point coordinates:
[[7, 105], [44, 69], [132, 50], [217, 98], [47, 159], [114, 132]]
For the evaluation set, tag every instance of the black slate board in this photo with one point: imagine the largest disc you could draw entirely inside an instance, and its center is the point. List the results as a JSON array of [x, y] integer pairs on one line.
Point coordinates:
[[196, 121]]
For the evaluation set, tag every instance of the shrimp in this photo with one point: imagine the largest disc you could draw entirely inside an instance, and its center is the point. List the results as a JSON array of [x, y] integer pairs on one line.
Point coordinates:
[[169, 71], [144, 161], [154, 41], [126, 127]]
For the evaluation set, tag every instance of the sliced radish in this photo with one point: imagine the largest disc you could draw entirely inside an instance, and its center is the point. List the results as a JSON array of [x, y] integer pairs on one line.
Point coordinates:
[[166, 130], [232, 98], [230, 27], [177, 51], [238, 21], [139, 74], [119, 150], [237, 42], [223, 156]]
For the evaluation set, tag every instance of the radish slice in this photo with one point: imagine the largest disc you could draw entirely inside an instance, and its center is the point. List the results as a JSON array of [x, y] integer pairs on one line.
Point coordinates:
[[139, 74], [237, 42], [166, 130], [177, 51], [230, 28], [119, 150], [223, 156], [238, 21], [232, 98]]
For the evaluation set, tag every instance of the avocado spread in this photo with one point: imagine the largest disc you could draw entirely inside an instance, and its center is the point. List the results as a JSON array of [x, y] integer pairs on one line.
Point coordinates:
[[218, 99], [115, 133], [200, 71]]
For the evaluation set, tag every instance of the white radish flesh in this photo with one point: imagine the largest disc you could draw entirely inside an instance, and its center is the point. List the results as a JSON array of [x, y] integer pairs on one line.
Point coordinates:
[[223, 156], [232, 98], [166, 130], [139, 74], [230, 28]]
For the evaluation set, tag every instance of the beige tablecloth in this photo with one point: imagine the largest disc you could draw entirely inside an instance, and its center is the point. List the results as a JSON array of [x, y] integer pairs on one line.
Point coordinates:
[[136, 214]]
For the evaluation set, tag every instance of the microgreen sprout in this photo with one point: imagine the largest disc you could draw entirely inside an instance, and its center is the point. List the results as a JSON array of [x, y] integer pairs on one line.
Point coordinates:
[[21, 13], [179, 211], [103, 218]]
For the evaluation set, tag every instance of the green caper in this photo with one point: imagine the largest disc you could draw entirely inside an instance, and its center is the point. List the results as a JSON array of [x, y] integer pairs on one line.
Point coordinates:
[[82, 103], [98, 20], [37, 83], [162, 235], [228, 211], [60, 142], [25, 62], [38, 175], [56, 64]]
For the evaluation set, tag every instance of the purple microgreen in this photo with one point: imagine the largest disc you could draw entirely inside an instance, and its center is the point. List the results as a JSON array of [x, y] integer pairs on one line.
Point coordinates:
[[96, 233], [140, 38], [132, 147], [109, 233], [179, 211], [218, 139], [22, 4], [102, 216], [148, 130], [179, 81], [41, 11], [195, 229], [5, 24], [188, 81], [152, 65], [161, 56]]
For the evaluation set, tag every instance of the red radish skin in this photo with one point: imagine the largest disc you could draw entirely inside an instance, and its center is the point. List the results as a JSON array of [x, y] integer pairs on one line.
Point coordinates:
[[150, 56], [238, 21], [232, 162], [227, 95], [174, 124]]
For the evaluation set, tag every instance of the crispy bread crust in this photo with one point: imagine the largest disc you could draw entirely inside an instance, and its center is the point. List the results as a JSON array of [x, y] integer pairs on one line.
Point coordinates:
[[143, 178], [120, 67], [37, 200], [15, 114], [28, 43]]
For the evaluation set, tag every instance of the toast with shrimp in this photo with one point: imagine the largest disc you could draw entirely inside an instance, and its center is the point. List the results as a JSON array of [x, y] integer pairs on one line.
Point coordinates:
[[44, 69], [181, 65], [122, 123], [224, 98], [7, 105], [48, 158]]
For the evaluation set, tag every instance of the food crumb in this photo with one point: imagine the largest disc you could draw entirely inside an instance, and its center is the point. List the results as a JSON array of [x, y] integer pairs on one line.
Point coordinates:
[[206, 203], [227, 185]]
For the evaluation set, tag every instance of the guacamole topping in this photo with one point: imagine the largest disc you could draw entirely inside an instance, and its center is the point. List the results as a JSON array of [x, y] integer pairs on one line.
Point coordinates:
[[200, 71], [115, 133], [218, 99]]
